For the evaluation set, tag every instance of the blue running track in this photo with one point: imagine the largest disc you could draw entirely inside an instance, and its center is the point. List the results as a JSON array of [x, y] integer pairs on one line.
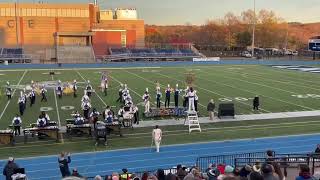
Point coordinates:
[[137, 160]]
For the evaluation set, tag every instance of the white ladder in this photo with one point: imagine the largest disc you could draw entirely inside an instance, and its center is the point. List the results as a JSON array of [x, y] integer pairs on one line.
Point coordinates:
[[193, 122]]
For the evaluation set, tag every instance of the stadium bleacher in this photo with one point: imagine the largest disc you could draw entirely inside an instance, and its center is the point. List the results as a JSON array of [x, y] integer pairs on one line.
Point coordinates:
[[13, 55]]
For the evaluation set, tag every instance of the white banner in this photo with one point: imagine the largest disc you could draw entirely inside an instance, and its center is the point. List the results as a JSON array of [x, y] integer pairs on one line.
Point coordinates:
[[206, 59]]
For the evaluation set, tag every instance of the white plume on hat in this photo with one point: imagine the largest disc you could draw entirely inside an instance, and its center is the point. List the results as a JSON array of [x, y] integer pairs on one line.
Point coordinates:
[[10, 159], [8, 83], [177, 85], [75, 80], [147, 89], [168, 85]]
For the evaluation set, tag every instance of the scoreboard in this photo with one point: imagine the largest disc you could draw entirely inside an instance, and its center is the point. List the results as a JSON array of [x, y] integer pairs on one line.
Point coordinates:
[[314, 44]]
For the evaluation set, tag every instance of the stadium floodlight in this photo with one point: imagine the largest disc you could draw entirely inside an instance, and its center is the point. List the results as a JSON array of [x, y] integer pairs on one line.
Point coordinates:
[[254, 27]]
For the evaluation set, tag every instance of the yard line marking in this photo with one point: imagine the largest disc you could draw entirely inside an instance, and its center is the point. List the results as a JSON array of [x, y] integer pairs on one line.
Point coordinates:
[[153, 82], [225, 84], [5, 108], [214, 92], [96, 92], [57, 109], [289, 82], [290, 92], [68, 69]]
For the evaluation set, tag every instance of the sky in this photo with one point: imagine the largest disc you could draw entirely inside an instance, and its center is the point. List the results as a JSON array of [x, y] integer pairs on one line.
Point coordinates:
[[173, 12]]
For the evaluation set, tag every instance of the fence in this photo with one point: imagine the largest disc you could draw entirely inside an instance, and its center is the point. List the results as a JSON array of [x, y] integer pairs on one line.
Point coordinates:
[[203, 162]]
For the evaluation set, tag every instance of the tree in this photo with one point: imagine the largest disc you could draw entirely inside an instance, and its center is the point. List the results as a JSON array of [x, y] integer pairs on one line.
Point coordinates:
[[244, 38]]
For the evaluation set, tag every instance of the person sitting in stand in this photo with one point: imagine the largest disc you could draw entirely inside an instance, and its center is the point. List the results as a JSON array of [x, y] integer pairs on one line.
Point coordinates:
[[41, 122], [16, 123]]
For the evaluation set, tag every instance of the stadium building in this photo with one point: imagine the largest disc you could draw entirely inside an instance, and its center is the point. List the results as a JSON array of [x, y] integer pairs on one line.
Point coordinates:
[[52, 33]]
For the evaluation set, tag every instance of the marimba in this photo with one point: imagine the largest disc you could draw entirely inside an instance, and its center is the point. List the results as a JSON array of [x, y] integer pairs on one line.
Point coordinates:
[[6, 137], [127, 119], [114, 128], [50, 131], [84, 128]]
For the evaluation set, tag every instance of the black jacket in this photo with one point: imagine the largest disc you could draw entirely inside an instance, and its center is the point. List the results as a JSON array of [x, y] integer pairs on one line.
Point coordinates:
[[9, 169], [64, 166], [211, 106]]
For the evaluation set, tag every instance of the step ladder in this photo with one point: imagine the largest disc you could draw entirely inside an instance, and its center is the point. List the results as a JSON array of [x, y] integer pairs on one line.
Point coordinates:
[[192, 121]]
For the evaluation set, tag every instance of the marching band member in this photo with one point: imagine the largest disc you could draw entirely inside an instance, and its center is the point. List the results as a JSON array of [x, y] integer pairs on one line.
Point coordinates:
[[128, 101], [120, 93], [89, 88], [43, 94], [32, 96], [196, 98], [121, 113], [22, 103], [41, 122], [135, 112], [104, 83], [86, 106], [85, 97], [108, 115], [74, 87], [168, 92], [176, 96], [125, 92], [78, 120], [33, 85], [8, 90], [157, 136], [158, 97], [16, 123], [191, 95], [146, 99], [45, 116], [59, 89], [186, 99], [25, 95]]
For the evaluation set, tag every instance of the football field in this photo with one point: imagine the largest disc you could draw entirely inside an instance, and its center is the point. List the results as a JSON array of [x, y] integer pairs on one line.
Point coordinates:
[[279, 90]]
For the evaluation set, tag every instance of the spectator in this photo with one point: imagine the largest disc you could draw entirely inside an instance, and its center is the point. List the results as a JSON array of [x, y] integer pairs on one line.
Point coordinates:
[[145, 176], [152, 177], [221, 168], [75, 173], [245, 171], [181, 172], [64, 161], [125, 175], [98, 177], [213, 174], [115, 176], [317, 151], [304, 173], [210, 108], [171, 176], [160, 174], [275, 165], [9, 168], [228, 172], [255, 176], [257, 167], [267, 172]]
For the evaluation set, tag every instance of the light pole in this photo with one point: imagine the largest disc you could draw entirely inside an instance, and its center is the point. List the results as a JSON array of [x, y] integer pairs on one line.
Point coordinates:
[[16, 8], [254, 27]]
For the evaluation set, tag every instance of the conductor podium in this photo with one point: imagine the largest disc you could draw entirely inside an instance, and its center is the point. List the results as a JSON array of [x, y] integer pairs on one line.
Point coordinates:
[[192, 121], [226, 110]]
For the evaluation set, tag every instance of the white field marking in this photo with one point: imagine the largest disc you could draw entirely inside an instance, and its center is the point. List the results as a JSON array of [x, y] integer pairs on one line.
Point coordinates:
[[215, 93], [57, 73], [96, 92], [291, 83], [291, 79], [4, 109], [2, 74], [69, 69], [159, 84], [172, 145], [270, 87], [254, 93], [57, 109], [184, 133]]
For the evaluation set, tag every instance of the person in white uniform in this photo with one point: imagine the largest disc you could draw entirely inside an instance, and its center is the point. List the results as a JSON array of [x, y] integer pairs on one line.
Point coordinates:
[[191, 96], [146, 99], [157, 137]]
